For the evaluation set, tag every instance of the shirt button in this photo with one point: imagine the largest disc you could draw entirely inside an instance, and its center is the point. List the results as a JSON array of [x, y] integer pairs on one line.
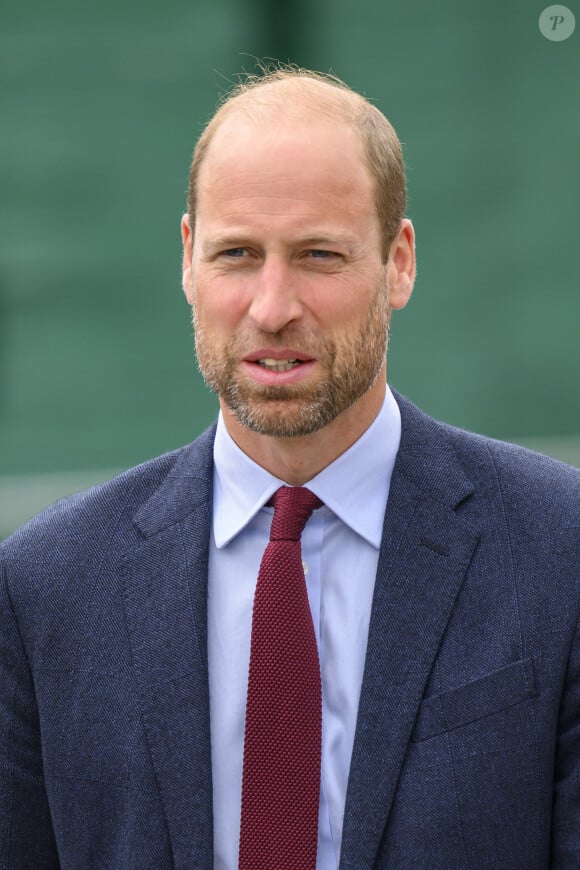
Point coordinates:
[[305, 567]]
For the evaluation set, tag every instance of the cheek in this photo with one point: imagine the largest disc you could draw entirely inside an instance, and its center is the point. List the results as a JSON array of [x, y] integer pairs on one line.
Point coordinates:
[[349, 306], [218, 305]]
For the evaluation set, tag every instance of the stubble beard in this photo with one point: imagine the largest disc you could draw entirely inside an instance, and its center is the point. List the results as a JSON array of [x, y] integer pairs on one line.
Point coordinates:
[[289, 411]]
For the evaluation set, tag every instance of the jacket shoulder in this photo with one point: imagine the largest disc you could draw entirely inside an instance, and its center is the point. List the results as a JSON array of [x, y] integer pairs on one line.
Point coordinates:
[[530, 485], [543, 482], [474, 451], [81, 524]]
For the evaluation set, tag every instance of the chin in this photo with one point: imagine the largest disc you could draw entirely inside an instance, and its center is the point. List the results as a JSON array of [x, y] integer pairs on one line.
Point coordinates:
[[277, 420]]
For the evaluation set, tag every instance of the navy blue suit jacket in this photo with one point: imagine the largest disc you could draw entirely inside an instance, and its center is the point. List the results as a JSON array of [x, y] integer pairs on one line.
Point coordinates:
[[467, 749]]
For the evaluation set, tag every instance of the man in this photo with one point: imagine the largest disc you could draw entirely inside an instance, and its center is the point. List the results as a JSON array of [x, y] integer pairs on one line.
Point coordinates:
[[441, 567]]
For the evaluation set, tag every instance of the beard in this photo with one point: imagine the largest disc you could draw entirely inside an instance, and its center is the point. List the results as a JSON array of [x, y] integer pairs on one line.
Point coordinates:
[[352, 366]]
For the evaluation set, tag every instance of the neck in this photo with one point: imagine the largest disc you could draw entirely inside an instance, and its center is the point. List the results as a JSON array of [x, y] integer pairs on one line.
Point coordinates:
[[298, 460]]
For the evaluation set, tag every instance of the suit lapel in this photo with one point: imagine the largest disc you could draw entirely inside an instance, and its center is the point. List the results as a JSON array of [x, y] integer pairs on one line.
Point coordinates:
[[165, 593], [424, 555]]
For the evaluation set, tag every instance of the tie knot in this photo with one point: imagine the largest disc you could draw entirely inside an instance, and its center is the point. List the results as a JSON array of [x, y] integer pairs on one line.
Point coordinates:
[[292, 508]]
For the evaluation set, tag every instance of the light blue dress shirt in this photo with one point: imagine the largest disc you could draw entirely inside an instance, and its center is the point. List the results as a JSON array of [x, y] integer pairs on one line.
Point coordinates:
[[340, 549]]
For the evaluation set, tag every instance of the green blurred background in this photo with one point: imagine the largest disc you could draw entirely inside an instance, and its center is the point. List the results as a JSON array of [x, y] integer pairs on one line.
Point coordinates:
[[100, 108]]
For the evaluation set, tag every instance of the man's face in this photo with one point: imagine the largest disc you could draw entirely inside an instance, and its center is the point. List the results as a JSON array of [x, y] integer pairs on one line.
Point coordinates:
[[287, 283]]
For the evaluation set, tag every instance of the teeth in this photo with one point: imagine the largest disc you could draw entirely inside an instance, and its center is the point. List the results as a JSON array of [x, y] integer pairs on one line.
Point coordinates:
[[278, 365]]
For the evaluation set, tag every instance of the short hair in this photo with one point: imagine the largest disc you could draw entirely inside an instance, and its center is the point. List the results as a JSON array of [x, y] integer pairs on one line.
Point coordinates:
[[335, 99]]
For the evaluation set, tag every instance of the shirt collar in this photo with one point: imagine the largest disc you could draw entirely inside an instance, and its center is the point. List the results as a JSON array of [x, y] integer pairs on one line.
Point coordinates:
[[355, 486]]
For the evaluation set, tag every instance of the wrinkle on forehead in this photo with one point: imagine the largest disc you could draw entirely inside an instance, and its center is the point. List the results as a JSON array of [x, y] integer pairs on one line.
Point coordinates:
[[242, 208]]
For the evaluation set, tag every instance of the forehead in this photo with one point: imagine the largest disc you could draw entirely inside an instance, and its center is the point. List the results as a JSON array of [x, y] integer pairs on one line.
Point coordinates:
[[284, 165]]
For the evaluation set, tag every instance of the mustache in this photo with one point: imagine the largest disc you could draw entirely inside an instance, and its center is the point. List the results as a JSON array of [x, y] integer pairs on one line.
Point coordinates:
[[301, 339]]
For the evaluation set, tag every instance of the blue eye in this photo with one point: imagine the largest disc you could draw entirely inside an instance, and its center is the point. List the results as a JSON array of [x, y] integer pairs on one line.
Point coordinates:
[[319, 254], [236, 253]]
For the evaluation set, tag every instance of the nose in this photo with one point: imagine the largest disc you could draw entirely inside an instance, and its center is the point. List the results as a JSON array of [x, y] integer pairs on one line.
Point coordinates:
[[275, 302]]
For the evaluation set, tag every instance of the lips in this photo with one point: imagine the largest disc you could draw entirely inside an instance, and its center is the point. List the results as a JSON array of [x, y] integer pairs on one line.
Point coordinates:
[[273, 355], [277, 365]]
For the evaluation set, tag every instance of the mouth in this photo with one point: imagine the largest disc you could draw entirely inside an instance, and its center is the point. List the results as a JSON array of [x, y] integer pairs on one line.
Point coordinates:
[[277, 366]]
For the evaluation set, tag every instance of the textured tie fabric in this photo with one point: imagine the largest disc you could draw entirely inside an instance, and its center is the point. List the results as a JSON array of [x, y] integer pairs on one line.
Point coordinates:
[[283, 736]]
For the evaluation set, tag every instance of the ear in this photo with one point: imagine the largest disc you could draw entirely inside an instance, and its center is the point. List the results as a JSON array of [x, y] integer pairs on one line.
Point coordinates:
[[186, 267], [401, 265]]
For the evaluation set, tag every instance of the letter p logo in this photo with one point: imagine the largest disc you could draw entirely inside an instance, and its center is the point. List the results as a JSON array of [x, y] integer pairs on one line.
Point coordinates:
[[557, 23]]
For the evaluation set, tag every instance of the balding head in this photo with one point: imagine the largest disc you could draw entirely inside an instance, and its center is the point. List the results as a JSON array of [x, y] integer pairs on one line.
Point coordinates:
[[289, 93]]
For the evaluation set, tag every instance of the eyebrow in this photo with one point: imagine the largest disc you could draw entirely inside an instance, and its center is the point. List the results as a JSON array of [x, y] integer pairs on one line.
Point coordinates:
[[329, 239], [239, 241]]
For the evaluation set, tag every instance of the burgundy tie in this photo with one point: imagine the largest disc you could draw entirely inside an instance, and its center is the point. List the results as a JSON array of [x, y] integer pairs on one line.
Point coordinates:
[[282, 743]]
